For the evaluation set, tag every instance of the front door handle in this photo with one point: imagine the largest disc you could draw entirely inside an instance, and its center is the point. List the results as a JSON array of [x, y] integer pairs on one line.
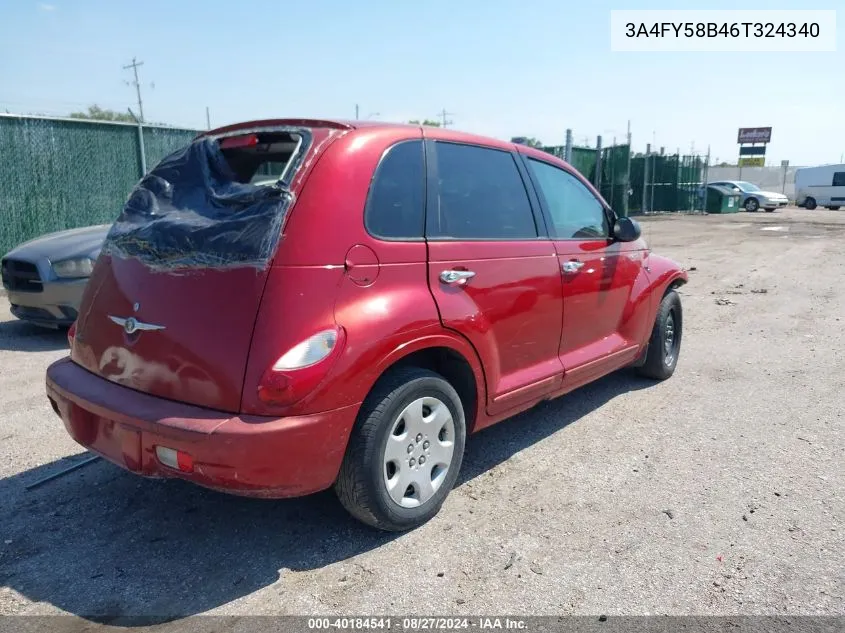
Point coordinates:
[[572, 266], [459, 277]]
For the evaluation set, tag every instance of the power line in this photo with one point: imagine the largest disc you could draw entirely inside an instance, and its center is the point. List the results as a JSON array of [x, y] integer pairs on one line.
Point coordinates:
[[443, 120], [134, 66]]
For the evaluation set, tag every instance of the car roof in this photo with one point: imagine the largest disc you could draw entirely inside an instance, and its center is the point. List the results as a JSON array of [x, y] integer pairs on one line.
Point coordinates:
[[438, 133], [445, 134]]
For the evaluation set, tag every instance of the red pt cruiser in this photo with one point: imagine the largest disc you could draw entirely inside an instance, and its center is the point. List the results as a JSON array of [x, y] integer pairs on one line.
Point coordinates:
[[288, 305]]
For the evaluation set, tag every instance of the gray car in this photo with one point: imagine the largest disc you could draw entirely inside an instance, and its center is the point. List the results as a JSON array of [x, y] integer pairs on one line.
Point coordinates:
[[45, 277], [753, 198]]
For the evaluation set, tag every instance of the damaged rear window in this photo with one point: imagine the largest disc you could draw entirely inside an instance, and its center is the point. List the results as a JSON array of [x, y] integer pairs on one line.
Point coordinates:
[[216, 203]]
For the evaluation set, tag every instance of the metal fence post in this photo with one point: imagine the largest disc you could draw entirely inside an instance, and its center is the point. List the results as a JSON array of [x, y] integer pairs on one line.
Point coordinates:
[[141, 150], [567, 151], [597, 180], [653, 180], [678, 173]]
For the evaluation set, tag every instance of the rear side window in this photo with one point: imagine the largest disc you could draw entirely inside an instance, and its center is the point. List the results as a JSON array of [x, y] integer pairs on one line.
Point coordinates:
[[397, 194], [480, 196], [839, 179]]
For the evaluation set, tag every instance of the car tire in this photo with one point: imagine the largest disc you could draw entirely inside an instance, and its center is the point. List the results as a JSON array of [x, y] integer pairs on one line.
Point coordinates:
[[752, 205], [772, 210], [664, 346], [389, 415], [810, 203], [834, 208]]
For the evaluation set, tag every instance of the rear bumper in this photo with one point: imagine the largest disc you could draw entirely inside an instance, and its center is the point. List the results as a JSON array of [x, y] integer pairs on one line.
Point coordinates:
[[245, 455]]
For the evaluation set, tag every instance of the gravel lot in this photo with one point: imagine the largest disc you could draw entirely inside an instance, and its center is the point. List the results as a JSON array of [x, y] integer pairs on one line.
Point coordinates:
[[716, 492]]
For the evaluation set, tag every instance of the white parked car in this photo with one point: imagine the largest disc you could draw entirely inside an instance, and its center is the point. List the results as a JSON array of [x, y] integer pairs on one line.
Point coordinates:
[[822, 186], [753, 198]]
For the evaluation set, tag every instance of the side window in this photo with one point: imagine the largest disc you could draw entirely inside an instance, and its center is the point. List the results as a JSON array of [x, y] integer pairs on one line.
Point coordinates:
[[481, 195], [839, 179], [397, 194], [576, 212]]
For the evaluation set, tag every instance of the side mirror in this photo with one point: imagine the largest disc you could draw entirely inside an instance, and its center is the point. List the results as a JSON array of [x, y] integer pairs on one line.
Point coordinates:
[[626, 230]]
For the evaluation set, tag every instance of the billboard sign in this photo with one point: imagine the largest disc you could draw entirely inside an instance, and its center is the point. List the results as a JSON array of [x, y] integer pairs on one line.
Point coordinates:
[[752, 161], [754, 135]]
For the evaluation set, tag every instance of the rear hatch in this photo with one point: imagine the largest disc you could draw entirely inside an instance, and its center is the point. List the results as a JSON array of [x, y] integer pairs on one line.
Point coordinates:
[[171, 305]]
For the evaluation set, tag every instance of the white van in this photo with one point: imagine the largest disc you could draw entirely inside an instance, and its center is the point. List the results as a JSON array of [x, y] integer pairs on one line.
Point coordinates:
[[822, 186]]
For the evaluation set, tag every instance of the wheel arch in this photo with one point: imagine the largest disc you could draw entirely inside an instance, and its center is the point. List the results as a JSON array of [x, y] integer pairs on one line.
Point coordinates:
[[674, 284], [451, 357]]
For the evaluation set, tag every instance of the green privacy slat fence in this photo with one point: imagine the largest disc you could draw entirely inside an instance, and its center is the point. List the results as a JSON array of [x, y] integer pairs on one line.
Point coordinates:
[[64, 173], [636, 184], [670, 183], [615, 177], [584, 160]]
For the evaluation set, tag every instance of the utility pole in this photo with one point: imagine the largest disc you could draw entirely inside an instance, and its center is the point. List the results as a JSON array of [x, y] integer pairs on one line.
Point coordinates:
[[356, 111], [207, 118], [134, 66], [443, 114]]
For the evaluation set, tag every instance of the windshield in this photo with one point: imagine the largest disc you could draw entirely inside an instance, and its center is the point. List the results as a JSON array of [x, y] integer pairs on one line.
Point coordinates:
[[747, 186]]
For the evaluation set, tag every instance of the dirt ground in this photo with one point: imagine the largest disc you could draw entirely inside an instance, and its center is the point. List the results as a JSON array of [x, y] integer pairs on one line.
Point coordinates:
[[719, 491]]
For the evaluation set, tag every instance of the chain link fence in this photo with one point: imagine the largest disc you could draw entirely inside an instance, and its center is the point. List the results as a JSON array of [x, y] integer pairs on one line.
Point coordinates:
[[65, 173]]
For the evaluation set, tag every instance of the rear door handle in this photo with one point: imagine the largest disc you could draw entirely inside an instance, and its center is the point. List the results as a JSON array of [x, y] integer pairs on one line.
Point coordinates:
[[459, 277], [572, 266]]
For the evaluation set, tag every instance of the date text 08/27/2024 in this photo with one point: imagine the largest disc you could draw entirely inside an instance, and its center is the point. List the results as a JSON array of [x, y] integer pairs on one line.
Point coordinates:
[[415, 623]]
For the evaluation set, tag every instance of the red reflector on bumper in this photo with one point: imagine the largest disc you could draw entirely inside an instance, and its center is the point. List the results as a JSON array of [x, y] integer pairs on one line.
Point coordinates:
[[177, 460]]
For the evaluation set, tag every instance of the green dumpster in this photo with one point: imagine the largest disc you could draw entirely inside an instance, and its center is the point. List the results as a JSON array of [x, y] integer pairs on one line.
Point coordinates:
[[721, 200]]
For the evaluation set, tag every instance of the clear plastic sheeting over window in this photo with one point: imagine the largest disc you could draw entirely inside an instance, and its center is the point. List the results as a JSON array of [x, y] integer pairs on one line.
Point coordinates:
[[191, 211]]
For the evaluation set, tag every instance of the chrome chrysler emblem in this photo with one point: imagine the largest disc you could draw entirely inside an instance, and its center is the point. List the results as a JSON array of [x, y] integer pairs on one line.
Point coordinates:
[[132, 325]]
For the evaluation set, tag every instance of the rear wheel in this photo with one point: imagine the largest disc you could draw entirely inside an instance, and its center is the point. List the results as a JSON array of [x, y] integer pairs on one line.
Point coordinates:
[[810, 203], [405, 452], [664, 346], [752, 205], [834, 208]]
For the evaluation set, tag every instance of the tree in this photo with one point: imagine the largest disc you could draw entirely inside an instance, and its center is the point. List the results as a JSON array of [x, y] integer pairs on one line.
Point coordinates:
[[530, 141], [97, 113], [426, 122]]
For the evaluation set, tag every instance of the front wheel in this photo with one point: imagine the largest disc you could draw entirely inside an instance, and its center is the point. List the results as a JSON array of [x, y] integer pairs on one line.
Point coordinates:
[[810, 203], [405, 451], [664, 346], [834, 208], [752, 205]]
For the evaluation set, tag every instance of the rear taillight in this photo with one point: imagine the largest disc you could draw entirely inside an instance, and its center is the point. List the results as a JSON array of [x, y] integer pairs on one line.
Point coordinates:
[[299, 370], [71, 334]]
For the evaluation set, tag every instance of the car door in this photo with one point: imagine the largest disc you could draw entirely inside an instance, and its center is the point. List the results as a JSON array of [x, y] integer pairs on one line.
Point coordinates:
[[492, 270], [603, 314]]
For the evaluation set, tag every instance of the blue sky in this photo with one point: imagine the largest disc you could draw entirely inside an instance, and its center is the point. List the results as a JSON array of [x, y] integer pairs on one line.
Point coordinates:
[[503, 68]]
